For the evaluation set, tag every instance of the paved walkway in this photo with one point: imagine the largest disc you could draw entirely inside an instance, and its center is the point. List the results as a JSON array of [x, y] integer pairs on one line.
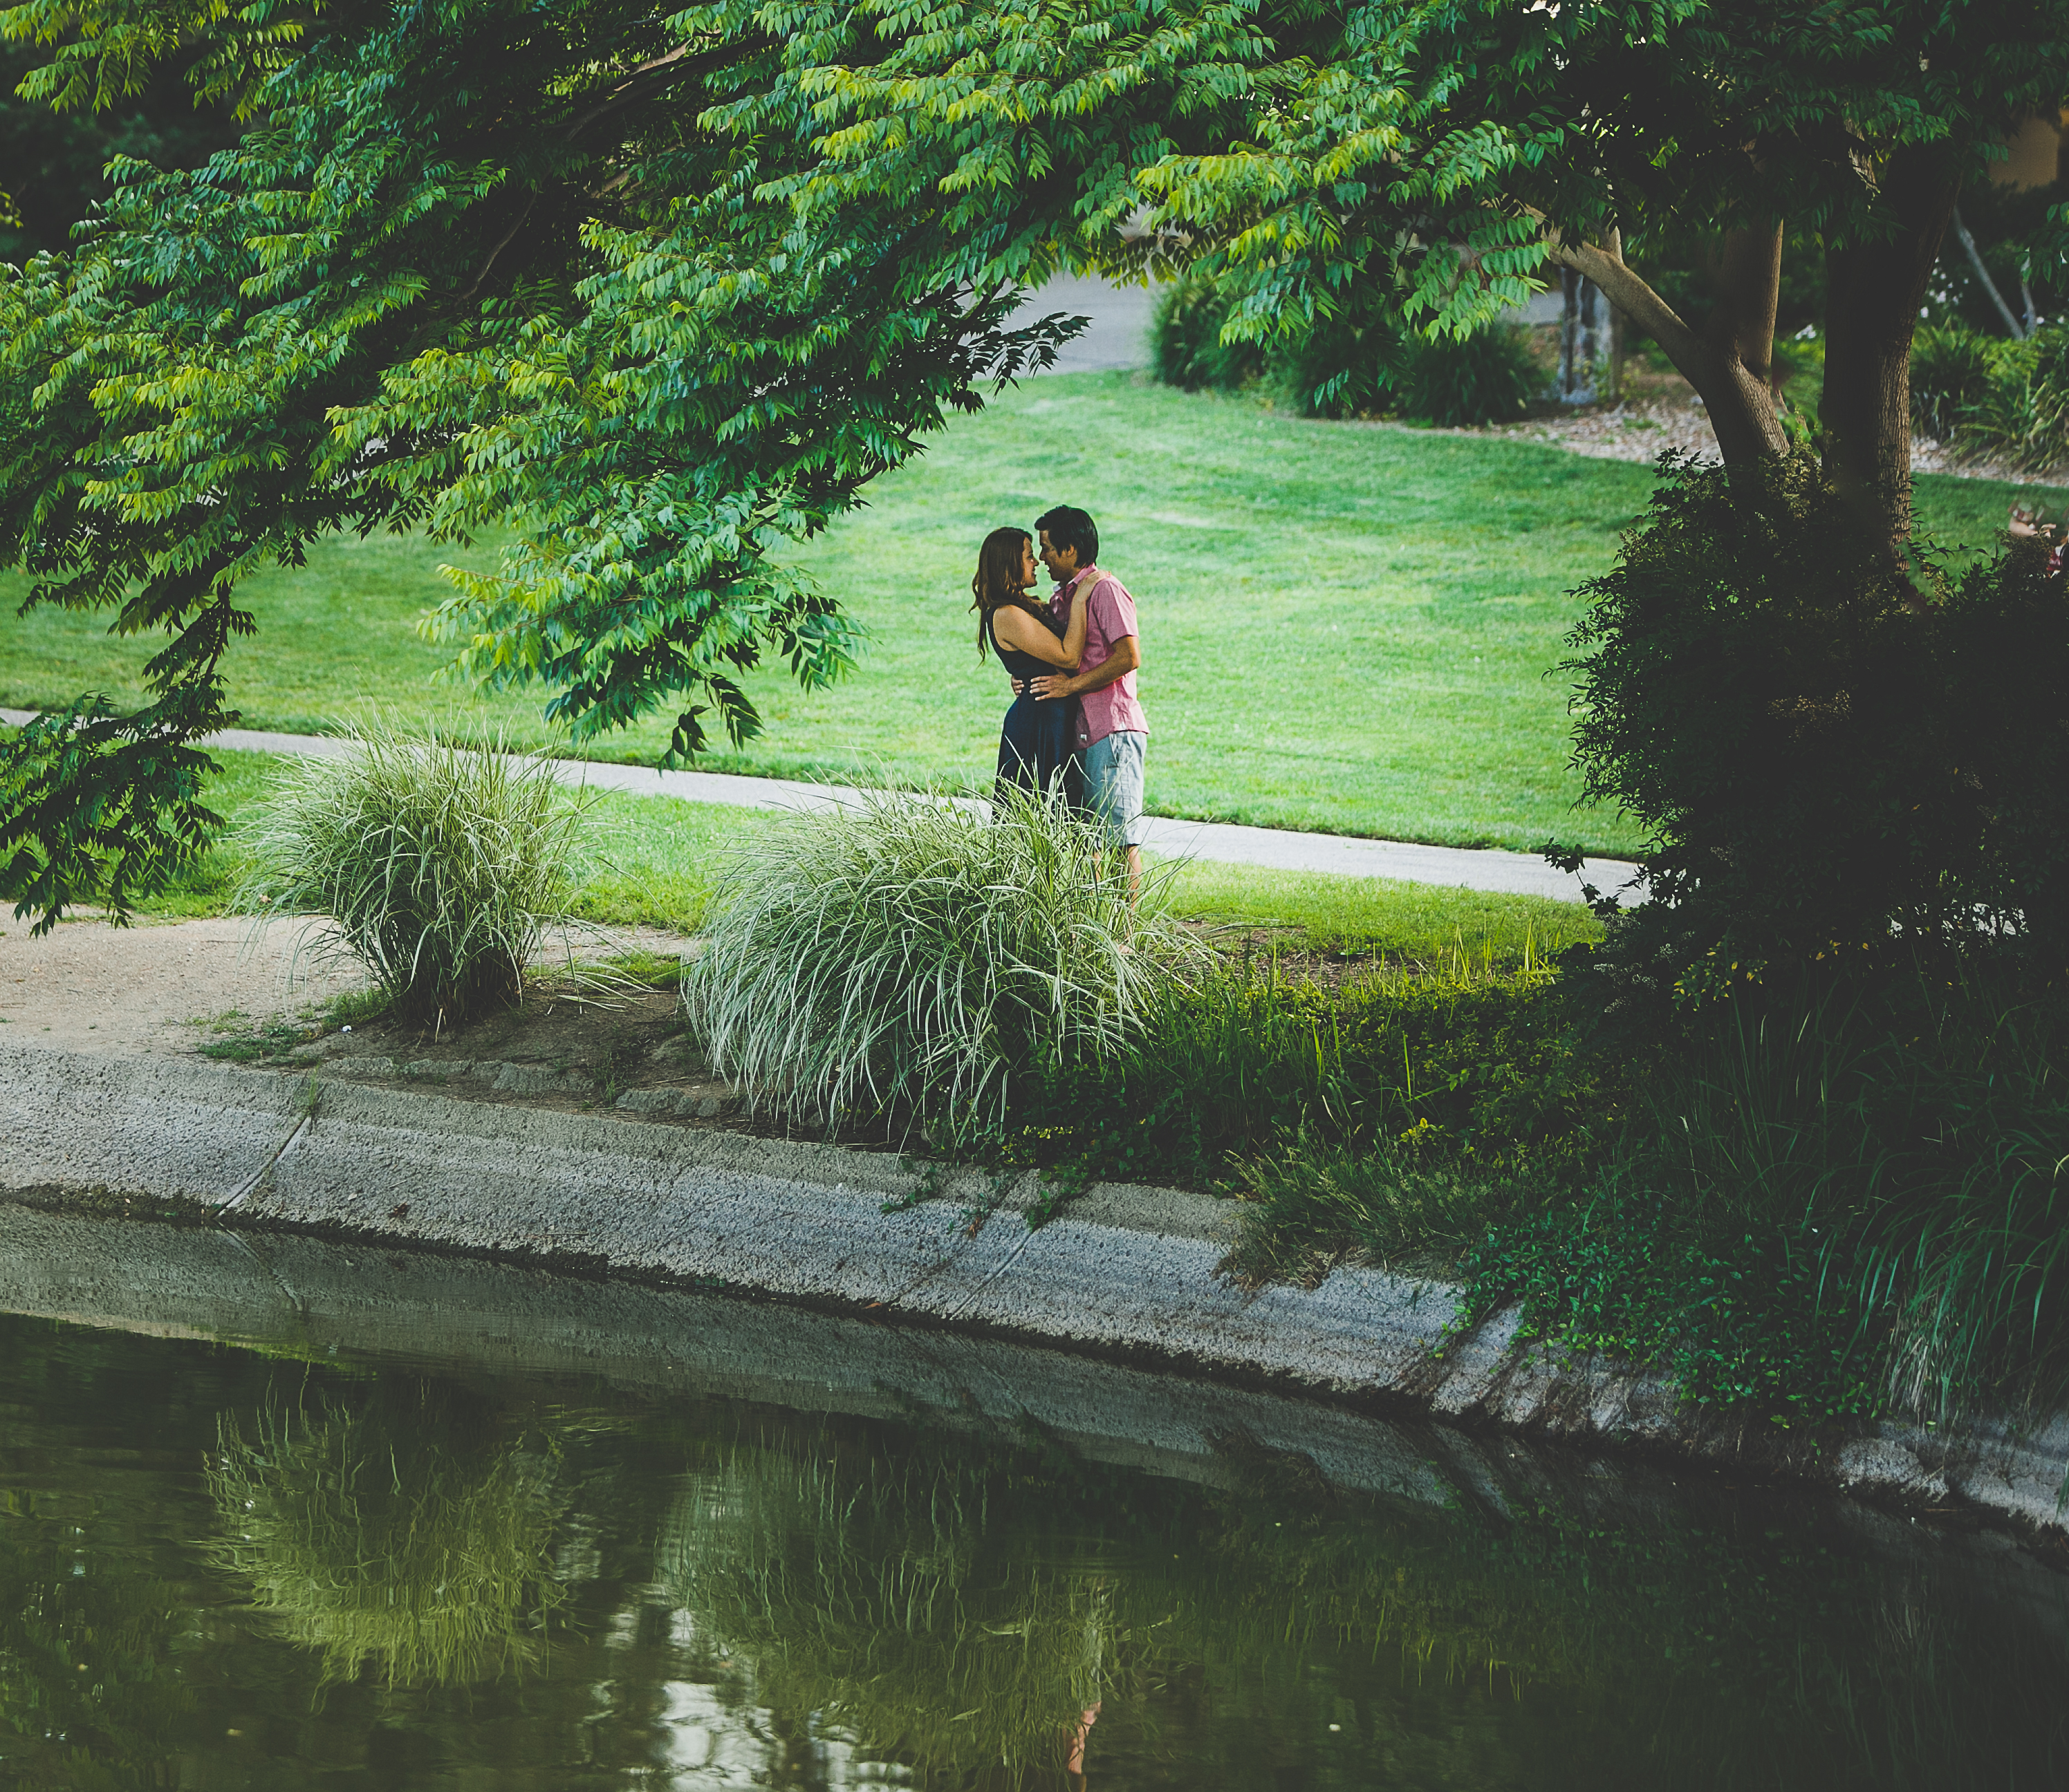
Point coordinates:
[[1281, 850]]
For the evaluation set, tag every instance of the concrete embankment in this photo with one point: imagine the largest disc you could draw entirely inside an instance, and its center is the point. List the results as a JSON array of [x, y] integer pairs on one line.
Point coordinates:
[[1127, 1273], [562, 1336]]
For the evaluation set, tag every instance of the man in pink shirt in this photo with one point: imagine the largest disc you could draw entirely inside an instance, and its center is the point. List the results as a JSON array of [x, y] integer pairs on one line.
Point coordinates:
[[1113, 734]]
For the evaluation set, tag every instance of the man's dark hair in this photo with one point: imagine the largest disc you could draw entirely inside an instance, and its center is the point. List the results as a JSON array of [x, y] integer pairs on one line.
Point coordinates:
[[1069, 528]]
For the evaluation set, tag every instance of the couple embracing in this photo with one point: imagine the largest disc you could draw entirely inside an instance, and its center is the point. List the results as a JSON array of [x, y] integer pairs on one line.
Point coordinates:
[[1076, 725]]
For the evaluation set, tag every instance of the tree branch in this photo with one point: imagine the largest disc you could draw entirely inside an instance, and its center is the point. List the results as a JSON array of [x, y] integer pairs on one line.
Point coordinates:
[[1628, 291], [1735, 392], [1983, 274], [650, 78]]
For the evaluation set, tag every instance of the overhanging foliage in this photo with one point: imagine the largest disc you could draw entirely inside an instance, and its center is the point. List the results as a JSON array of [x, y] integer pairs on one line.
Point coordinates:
[[658, 293]]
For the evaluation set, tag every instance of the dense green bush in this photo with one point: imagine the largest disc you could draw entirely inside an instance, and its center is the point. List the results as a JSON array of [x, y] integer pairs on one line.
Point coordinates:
[[1490, 377], [1460, 1063], [1348, 366], [1950, 365], [1186, 341], [1992, 396], [441, 868], [906, 960], [1839, 1193], [1822, 750], [2022, 414]]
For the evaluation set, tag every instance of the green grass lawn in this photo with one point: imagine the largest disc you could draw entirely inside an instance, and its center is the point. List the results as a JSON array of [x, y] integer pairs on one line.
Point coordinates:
[[653, 859], [1346, 627]]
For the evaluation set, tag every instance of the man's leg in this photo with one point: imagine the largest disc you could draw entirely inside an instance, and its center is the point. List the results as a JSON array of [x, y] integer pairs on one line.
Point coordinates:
[[1113, 791]]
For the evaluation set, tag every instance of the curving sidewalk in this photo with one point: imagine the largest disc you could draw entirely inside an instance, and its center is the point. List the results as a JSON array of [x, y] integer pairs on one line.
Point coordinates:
[[1280, 849]]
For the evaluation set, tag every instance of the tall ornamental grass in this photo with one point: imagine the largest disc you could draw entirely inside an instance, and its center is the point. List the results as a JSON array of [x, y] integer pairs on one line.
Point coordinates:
[[906, 959], [441, 868]]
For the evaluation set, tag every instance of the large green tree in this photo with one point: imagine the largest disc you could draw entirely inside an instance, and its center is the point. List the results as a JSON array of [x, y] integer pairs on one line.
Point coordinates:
[[659, 292]]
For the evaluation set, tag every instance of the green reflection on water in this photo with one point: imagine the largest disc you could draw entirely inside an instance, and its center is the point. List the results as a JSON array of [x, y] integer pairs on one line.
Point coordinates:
[[959, 1608], [412, 1538], [283, 1577], [880, 1592]]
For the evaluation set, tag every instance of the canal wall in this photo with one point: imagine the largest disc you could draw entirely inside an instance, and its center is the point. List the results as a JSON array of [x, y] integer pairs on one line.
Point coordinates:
[[304, 1298], [1128, 1274]]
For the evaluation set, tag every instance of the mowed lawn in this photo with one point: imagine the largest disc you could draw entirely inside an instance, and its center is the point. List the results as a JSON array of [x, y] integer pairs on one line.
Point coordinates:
[[654, 861], [1345, 627]]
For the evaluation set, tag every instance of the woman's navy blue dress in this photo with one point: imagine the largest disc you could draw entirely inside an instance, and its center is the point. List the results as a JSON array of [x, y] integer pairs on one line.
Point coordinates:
[[1037, 747]]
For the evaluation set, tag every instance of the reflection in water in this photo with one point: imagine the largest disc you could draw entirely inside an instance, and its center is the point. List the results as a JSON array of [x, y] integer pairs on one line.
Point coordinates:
[[413, 1540], [970, 1613], [217, 1572], [874, 1591]]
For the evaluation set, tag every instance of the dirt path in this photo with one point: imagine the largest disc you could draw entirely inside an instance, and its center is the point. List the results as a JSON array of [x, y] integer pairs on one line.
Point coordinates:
[[153, 987], [163, 986]]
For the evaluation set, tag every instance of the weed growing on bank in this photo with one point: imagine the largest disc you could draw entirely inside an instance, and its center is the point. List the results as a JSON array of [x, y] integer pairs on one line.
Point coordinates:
[[1244, 1080], [1842, 1197]]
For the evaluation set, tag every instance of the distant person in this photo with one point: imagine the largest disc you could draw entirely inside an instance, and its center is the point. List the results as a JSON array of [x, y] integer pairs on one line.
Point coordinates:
[[1038, 743], [1113, 733]]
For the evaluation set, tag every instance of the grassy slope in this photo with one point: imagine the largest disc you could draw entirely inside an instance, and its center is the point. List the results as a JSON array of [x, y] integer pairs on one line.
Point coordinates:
[[1347, 627], [655, 858]]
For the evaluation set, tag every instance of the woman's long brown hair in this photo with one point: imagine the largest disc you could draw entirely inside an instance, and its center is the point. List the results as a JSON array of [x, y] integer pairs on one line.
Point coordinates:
[[997, 580]]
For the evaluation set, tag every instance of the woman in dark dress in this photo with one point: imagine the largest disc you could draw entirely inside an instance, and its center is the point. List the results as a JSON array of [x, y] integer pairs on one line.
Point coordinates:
[[1038, 745]]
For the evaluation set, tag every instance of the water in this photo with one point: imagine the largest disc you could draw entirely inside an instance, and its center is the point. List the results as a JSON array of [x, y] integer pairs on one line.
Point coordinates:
[[305, 1560]]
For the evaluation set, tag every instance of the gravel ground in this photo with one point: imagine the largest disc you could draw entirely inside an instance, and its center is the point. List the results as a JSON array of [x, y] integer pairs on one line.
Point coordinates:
[[150, 988], [1642, 429]]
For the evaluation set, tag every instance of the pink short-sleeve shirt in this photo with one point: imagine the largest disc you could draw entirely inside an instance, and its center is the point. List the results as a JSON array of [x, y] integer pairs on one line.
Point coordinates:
[[1109, 618]]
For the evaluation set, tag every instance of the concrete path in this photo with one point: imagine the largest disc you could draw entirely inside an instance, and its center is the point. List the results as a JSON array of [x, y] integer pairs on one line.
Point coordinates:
[[1117, 338], [1277, 849]]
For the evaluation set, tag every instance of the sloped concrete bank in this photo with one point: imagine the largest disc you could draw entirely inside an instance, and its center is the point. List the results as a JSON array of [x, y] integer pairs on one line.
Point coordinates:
[[1126, 1272], [303, 1297]]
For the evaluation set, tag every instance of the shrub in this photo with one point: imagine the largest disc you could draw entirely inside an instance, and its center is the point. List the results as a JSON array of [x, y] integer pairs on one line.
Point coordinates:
[[1471, 1062], [1186, 345], [441, 868], [1355, 366], [1992, 396], [2021, 413], [1840, 1193], [1350, 369], [1820, 751], [906, 959], [1488, 377], [1345, 366], [1949, 367]]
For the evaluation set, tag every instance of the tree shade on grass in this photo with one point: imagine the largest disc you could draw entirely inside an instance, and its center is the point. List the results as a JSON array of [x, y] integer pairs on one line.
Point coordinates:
[[1345, 627]]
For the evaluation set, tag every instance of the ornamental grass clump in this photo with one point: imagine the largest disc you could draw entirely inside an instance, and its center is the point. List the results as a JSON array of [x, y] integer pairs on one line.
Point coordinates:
[[440, 868], [906, 958]]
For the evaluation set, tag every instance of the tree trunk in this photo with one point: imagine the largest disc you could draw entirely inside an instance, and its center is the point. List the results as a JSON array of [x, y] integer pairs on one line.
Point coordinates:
[[1738, 385], [1728, 364], [1872, 295]]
